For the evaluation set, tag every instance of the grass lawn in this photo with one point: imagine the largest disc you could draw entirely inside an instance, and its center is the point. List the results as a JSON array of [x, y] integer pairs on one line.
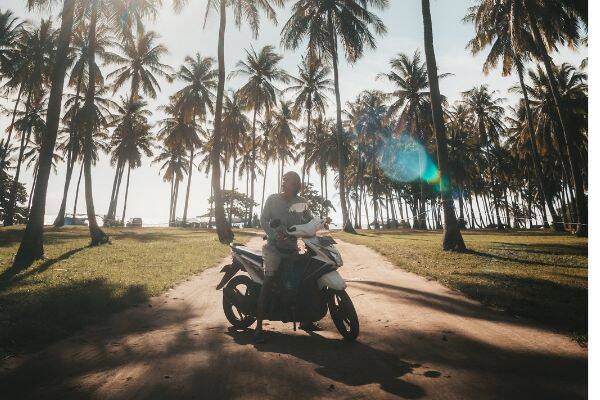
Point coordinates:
[[538, 275], [77, 285]]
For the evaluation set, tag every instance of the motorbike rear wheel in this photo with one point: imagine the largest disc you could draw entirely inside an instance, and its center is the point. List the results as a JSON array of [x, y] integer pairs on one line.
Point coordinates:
[[343, 314], [238, 290]]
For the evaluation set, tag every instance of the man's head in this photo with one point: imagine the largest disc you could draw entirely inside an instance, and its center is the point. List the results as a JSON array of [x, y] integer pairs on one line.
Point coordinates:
[[291, 184]]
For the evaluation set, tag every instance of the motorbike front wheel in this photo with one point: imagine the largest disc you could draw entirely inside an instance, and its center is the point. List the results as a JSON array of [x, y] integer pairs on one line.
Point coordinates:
[[236, 300], [343, 314]]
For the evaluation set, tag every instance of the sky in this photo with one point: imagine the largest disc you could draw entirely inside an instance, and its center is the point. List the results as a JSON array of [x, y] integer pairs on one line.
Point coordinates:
[[185, 34]]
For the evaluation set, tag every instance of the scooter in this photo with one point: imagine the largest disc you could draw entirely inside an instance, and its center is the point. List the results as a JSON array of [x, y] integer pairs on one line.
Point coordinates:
[[306, 285]]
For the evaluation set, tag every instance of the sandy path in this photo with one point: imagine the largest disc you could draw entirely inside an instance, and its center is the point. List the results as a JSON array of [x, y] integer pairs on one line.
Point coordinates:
[[418, 340]]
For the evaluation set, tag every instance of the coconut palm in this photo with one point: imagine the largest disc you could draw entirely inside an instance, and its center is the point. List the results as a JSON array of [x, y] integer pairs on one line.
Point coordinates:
[[493, 28], [173, 163], [452, 237], [11, 29], [78, 76], [196, 100], [243, 10], [131, 138], [310, 89], [326, 23], [282, 135], [31, 247], [259, 93], [236, 128], [139, 64], [35, 55]]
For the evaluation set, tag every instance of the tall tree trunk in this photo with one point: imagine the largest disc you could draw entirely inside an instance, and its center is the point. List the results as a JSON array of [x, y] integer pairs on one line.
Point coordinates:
[[262, 202], [32, 187], [97, 236], [77, 190], [306, 141], [10, 129], [253, 172], [189, 185], [126, 193], [32, 243], [223, 229], [452, 237], [580, 201], [71, 158], [537, 165], [12, 199], [232, 187], [112, 205], [347, 224]]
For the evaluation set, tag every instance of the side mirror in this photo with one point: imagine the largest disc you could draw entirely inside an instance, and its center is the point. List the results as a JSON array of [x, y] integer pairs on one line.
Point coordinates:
[[275, 223], [327, 205]]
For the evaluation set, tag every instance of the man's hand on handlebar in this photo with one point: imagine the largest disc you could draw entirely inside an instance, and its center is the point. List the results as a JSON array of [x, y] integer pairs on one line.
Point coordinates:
[[281, 236]]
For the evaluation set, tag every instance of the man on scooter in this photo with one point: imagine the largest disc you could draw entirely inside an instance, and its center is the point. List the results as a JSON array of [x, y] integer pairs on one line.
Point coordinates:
[[290, 209]]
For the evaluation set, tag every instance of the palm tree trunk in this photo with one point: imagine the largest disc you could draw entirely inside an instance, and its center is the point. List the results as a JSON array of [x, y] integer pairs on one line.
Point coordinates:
[[126, 193], [96, 234], [77, 190], [112, 206], [189, 185], [12, 199], [232, 188], [10, 129], [32, 188], [32, 243], [71, 157], [171, 201], [262, 202], [223, 229], [306, 141], [537, 165], [580, 201], [452, 237], [339, 130], [253, 172]]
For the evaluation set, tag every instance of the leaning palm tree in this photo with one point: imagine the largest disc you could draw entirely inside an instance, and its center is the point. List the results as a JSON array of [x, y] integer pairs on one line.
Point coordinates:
[[325, 23], [259, 93], [248, 10], [452, 237], [310, 89], [196, 101]]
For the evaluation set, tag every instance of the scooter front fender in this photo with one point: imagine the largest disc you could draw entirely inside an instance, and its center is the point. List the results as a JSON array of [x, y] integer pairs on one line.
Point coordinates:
[[332, 280]]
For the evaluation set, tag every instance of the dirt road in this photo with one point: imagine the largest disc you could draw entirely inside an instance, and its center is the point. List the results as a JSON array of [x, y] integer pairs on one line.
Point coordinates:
[[418, 340]]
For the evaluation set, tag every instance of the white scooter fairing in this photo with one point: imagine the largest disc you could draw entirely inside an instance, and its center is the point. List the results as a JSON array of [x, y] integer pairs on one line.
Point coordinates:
[[325, 252]]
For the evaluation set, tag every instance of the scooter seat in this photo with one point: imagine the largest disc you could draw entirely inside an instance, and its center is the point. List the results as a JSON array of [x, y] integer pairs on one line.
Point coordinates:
[[256, 255]]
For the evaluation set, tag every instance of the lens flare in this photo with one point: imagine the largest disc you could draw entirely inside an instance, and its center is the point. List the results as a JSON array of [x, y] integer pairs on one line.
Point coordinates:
[[404, 159]]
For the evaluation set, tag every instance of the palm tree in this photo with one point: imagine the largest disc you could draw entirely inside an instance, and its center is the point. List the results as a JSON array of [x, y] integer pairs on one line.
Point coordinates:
[[140, 65], [248, 10], [488, 113], [282, 135], [309, 90], [266, 150], [235, 127], [132, 138], [36, 51], [493, 28], [196, 99], [31, 247], [78, 76], [452, 237], [259, 92], [412, 107], [174, 164], [325, 23], [11, 31]]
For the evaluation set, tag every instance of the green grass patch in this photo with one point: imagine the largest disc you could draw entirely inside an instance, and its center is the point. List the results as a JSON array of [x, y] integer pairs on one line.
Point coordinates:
[[77, 285], [538, 275]]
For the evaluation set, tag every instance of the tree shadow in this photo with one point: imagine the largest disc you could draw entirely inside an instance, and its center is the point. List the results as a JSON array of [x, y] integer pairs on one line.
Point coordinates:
[[554, 249], [350, 363], [519, 260], [17, 273]]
